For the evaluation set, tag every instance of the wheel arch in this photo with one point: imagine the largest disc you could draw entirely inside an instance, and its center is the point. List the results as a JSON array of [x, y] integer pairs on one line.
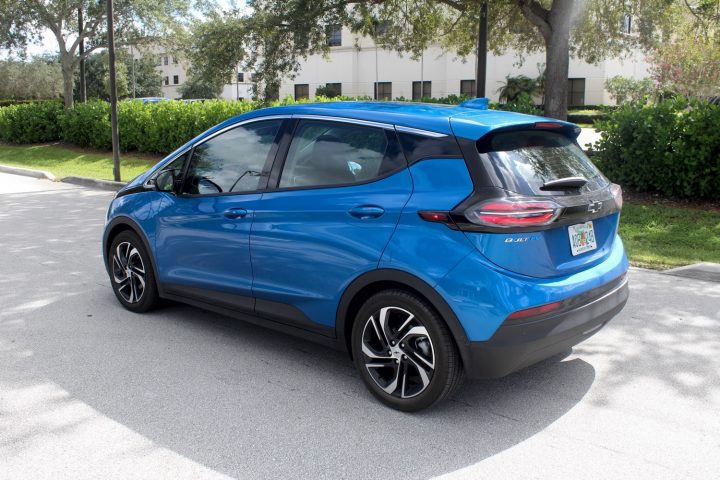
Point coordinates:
[[375, 281], [119, 225]]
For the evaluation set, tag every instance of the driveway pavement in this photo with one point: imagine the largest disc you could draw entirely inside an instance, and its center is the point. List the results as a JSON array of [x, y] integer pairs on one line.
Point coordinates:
[[89, 390]]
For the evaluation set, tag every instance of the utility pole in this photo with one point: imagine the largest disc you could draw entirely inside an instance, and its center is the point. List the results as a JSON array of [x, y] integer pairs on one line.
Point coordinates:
[[81, 51], [113, 93], [481, 64]]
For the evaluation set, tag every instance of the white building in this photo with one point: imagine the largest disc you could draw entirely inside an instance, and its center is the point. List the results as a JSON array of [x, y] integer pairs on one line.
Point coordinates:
[[355, 70], [355, 65]]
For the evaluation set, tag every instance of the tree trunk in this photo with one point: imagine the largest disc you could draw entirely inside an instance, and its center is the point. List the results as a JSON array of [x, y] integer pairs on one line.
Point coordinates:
[[557, 62], [68, 69], [557, 57]]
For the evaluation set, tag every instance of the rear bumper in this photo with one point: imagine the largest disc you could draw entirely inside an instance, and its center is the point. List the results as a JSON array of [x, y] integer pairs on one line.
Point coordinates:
[[518, 345]]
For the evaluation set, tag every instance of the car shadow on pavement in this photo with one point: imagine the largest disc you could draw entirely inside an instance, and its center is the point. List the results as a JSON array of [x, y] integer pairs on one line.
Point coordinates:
[[249, 402]]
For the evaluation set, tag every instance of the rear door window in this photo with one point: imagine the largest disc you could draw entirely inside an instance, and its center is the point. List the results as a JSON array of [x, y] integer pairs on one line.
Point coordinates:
[[327, 153], [523, 161]]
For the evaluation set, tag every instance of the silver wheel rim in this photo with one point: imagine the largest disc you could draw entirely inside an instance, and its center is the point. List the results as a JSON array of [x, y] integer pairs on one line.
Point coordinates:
[[128, 272], [398, 352]]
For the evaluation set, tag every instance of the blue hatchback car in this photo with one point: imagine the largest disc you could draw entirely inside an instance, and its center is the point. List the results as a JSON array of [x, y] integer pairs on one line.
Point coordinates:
[[431, 242]]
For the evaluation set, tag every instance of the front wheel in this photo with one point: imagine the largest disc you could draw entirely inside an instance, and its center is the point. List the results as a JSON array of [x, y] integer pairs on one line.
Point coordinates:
[[404, 351], [131, 273]]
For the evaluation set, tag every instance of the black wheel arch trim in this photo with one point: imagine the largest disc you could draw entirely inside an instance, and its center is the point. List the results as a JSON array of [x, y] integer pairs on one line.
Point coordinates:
[[130, 224], [343, 325]]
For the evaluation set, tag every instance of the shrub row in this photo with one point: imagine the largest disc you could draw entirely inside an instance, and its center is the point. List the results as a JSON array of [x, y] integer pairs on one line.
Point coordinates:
[[671, 147], [30, 122]]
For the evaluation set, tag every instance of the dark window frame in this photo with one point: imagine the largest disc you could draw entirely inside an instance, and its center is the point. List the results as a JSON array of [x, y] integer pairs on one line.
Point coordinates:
[[299, 96], [334, 35], [576, 96], [176, 79], [472, 89], [383, 86], [426, 90]]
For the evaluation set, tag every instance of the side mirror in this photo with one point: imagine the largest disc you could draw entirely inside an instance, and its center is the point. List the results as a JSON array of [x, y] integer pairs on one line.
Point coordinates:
[[165, 182]]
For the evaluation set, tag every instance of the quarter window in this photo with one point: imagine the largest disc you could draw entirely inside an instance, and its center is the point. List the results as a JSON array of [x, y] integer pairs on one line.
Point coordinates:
[[234, 161], [331, 153]]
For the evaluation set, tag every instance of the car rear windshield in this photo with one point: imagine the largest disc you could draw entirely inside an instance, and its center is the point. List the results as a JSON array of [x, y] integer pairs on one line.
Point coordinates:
[[522, 161]]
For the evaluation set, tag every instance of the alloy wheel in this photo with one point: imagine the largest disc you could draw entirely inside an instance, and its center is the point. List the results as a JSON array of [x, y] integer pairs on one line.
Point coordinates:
[[129, 272], [398, 352]]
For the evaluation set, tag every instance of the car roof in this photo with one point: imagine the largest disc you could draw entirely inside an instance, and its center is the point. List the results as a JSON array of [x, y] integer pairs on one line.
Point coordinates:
[[461, 121]]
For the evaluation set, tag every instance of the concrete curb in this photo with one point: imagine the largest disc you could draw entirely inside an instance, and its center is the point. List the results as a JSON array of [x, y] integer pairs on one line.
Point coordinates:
[[94, 183], [28, 172]]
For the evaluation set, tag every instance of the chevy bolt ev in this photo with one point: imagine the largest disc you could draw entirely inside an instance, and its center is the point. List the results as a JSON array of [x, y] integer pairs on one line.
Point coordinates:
[[431, 242]]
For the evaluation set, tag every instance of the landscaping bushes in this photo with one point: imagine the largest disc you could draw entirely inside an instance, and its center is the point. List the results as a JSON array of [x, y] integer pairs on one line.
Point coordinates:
[[671, 147], [30, 122]]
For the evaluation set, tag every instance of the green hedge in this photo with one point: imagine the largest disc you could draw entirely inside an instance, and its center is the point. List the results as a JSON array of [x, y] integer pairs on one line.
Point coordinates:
[[671, 147], [30, 122]]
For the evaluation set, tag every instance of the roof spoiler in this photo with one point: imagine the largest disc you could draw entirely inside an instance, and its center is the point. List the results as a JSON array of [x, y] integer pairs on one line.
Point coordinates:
[[476, 103]]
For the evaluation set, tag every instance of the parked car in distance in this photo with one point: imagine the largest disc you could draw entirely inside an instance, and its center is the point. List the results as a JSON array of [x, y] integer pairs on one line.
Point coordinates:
[[431, 242]]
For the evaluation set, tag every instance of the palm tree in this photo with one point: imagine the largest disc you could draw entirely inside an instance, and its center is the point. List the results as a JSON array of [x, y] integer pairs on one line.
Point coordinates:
[[514, 86]]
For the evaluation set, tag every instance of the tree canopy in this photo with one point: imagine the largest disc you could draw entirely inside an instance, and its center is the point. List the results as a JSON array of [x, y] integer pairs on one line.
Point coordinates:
[[23, 21]]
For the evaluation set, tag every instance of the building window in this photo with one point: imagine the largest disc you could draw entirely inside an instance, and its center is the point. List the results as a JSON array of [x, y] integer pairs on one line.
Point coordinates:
[[426, 90], [174, 60], [176, 79], [382, 27], [334, 35], [333, 89], [576, 92], [165, 60], [383, 90], [302, 90], [166, 80], [467, 88], [240, 77], [627, 24]]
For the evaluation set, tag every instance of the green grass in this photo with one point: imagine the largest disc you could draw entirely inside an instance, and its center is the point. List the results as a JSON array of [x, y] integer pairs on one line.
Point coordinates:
[[64, 161], [659, 236]]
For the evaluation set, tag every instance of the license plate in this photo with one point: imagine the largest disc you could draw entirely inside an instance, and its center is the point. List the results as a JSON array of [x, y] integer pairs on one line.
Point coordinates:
[[582, 238]]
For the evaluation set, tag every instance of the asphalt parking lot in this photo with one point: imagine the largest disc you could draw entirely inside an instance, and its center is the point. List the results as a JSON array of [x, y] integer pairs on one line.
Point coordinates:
[[89, 390]]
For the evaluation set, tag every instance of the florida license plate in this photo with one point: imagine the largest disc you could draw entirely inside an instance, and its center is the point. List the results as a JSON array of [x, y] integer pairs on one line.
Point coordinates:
[[582, 238]]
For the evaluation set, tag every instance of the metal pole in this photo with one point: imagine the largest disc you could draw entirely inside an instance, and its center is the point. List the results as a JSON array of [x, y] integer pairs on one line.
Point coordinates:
[[481, 65], [113, 93], [132, 60], [237, 82], [422, 79], [81, 51]]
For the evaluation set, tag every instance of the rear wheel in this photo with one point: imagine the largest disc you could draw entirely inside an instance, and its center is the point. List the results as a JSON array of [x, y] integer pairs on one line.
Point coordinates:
[[404, 351], [131, 273]]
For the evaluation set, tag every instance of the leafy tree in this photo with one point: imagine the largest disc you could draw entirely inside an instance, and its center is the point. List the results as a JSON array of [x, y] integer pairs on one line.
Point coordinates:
[[38, 79], [24, 20], [281, 32], [515, 86], [148, 80], [197, 87], [327, 90], [688, 64], [623, 89]]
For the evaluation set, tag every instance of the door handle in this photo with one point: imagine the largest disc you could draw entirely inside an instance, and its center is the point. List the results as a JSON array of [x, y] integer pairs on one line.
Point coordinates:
[[366, 211], [234, 213]]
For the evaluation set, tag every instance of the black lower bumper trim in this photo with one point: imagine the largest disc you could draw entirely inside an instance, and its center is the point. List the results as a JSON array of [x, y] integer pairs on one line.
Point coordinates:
[[517, 346]]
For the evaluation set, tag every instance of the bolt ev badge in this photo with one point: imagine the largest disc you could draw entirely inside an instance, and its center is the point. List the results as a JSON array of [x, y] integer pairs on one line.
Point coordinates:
[[595, 207]]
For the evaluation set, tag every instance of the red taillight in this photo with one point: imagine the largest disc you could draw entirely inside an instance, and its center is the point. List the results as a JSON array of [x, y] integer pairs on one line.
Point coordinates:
[[617, 195], [513, 212], [548, 125], [535, 311], [442, 217]]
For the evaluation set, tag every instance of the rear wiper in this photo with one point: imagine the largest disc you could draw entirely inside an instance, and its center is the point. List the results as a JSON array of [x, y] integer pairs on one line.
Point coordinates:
[[564, 183]]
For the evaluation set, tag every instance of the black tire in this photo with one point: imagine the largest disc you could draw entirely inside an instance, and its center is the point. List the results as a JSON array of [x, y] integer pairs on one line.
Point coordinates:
[[127, 258], [412, 350]]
